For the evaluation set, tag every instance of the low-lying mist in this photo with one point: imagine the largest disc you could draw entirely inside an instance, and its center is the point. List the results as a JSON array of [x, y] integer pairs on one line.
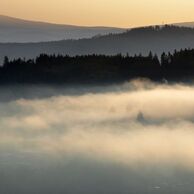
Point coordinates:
[[137, 137]]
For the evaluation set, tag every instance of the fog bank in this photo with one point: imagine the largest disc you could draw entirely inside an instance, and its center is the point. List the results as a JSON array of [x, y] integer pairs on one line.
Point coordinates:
[[135, 137]]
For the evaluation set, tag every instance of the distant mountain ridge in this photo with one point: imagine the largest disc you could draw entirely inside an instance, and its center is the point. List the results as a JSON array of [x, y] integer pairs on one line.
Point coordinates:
[[135, 41], [185, 24], [22, 31]]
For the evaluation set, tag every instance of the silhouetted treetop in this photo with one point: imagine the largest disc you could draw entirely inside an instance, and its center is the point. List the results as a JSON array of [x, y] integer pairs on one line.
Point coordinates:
[[178, 66]]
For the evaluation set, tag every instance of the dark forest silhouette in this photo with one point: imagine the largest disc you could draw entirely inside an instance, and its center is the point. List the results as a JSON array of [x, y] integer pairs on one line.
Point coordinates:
[[178, 66]]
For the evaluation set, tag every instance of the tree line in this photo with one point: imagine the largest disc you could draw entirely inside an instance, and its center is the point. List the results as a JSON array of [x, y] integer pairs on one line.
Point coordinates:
[[178, 66]]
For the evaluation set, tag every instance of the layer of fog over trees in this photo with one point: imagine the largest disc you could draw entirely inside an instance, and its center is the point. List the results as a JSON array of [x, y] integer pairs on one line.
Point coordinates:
[[17, 30], [140, 40], [135, 137]]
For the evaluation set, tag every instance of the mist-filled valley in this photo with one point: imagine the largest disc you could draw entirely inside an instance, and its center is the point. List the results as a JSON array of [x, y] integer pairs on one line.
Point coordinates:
[[135, 137]]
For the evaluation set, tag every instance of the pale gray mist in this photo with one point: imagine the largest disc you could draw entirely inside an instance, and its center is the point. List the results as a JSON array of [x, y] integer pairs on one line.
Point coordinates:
[[134, 138]]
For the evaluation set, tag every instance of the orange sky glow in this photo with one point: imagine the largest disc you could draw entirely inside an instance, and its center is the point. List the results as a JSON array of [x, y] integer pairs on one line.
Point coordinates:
[[122, 13]]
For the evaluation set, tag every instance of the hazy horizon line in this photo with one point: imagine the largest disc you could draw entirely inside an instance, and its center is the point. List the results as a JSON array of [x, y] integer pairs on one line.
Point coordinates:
[[90, 26]]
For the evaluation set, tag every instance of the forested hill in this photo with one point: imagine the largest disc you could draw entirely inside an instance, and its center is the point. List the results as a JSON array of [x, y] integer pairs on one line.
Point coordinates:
[[98, 68], [140, 40]]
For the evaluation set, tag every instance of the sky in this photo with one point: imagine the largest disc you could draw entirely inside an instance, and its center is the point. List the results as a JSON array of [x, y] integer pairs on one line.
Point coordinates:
[[120, 13]]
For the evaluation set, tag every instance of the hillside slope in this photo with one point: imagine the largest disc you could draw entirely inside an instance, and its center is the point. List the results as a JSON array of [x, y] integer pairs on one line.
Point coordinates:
[[135, 41], [18, 30]]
